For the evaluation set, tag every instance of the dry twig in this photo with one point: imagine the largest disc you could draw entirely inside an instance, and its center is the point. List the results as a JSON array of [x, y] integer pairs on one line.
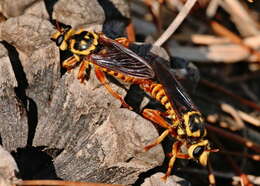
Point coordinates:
[[221, 30], [247, 143], [234, 113], [175, 23], [232, 95], [254, 157]]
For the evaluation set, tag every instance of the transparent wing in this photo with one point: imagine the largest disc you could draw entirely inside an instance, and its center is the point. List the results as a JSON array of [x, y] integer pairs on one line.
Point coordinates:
[[118, 58]]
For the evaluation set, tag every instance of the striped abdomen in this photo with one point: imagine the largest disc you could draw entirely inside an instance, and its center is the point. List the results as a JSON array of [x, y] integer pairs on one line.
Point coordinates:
[[154, 89], [127, 79]]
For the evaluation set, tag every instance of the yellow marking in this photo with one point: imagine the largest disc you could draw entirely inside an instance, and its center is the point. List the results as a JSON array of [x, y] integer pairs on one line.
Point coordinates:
[[96, 37], [168, 105], [164, 100], [186, 118], [212, 180], [194, 134], [68, 35], [120, 76], [64, 45], [159, 95], [171, 113], [55, 35], [203, 159], [130, 79], [180, 132], [77, 57], [155, 89]]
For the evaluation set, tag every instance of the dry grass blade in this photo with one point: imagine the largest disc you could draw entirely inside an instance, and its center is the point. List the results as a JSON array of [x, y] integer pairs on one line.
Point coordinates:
[[254, 157], [155, 9], [248, 118], [234, 113], [238, 115], [175, 23], [241, 17], [212, 8], [221, 30]]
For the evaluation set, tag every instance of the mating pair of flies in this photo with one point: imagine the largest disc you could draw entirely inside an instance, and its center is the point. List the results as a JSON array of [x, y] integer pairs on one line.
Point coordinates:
[[113, 57]]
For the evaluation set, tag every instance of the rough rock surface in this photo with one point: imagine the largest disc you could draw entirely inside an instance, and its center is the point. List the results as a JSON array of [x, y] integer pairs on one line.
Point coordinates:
[[155, 180], [8, 168]]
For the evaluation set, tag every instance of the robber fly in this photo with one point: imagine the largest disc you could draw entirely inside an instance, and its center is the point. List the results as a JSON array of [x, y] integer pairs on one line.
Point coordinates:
[[105, 54], [114, 58], [188, 124]]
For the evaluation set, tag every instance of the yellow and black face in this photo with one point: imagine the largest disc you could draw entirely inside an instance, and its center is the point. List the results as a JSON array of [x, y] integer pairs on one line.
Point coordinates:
[[194, 124], [79, 42], [62, 36], [200, 151]]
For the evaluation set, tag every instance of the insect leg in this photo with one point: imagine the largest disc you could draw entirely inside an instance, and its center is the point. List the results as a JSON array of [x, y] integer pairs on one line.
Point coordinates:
[[211, 176], [180, 155], [82, 70], [101, 77], [158, 140], [175, 150], [70, 63], [123, 41], [155, 116]]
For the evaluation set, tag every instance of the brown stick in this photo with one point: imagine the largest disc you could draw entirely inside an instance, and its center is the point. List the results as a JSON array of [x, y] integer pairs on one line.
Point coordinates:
[[223, 31], [130, 32], [249, 144], [234, 96]]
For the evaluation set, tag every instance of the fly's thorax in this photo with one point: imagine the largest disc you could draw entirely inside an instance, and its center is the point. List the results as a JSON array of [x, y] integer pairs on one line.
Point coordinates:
[[194, 124], [200, 151], [83, 42]]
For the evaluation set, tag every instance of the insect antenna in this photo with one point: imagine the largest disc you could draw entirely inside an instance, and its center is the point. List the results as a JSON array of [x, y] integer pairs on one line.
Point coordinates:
[[212, 150], [57, 25]]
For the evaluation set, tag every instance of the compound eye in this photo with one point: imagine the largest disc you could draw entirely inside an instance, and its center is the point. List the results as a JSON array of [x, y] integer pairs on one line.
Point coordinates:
[[193, 125], [59, 40], [198, 151]]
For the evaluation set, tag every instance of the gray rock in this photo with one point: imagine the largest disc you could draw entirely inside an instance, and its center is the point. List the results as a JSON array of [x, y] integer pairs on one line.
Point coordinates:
[[113, 153], [8, 168], [78, 13], [12, 113], [15, 8], [155, 180]]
